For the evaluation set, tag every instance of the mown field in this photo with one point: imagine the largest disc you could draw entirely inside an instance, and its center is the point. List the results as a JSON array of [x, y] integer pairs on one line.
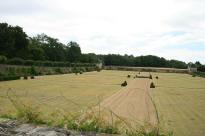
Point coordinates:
[[67, 92], [180, 101]]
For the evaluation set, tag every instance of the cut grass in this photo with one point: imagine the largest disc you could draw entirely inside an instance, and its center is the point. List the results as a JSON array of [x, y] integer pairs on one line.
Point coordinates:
[[95, 119], [180, 101], [49, 92]]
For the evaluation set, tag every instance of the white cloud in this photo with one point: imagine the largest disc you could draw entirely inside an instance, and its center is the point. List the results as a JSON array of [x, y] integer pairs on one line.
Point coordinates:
[[120, 26]]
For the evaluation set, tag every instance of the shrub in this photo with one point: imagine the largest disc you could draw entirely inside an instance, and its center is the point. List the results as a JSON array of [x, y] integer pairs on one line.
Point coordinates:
[[128, 76], [38, 63], [81, 72], [32, 77], [200, 74], [157, 77], [47, 63], [59, 64], [9, 77], [3, 59], [1, 73], [34, 70], [124, 83], [49, 72], [29, 62], [25, 77], [152, 85], [75, 70], [11, 70], [150, 76], [59, 70], [24, 70], [98, 69], [15, 61], [82, 69]]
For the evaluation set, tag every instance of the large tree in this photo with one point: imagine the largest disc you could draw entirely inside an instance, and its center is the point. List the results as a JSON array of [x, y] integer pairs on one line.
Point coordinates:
[[73, 52], [13, 41]]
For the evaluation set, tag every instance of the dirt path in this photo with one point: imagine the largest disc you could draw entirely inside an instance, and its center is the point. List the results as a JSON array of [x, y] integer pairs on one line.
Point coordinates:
[[134, 102]]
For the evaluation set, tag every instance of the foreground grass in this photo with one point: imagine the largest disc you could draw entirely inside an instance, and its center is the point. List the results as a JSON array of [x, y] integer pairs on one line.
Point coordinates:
[[92, 118], [180, 100]]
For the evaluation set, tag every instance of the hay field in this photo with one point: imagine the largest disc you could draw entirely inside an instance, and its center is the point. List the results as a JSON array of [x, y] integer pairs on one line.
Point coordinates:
[[180, 101], [134, 102], [63, 91]]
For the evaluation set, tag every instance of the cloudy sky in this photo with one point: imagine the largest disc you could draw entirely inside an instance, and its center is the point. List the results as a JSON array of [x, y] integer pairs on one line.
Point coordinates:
[[174, 29]]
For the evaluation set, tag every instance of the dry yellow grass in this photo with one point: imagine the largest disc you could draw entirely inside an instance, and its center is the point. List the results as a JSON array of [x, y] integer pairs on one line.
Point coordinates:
[[63, 91], [180, 101]]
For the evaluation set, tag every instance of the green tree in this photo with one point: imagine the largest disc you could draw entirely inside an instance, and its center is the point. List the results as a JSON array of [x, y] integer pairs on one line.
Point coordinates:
[[73, 52], [13, 41]]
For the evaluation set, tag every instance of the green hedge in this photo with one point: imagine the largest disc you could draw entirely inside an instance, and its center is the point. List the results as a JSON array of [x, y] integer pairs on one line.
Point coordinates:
[[200, 74], [19, 61], [9, 77]]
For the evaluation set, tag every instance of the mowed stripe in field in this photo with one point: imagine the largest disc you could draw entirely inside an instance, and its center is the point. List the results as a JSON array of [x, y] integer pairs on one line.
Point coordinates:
[[134, 102], [180, 101]]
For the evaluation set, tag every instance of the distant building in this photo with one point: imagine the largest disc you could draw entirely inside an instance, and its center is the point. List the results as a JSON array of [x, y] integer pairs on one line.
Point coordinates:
[[192, 67], [99, 63]]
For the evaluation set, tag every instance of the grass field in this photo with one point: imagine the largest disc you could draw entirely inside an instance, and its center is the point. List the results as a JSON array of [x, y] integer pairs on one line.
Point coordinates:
[[179, 98], [180, 101], [63, 91]]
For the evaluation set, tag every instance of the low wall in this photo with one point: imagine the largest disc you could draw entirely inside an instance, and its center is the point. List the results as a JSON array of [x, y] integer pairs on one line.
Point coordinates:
[[147, 69]]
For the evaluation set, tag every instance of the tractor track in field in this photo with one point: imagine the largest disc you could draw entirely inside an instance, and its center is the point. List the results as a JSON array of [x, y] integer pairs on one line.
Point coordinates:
[[134, 102]]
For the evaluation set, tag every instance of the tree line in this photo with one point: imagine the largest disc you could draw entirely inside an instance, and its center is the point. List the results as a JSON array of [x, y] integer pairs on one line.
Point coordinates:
[[15, 43]]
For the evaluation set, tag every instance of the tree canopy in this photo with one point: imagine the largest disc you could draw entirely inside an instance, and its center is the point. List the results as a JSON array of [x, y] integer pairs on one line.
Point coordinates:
[[14, 43]]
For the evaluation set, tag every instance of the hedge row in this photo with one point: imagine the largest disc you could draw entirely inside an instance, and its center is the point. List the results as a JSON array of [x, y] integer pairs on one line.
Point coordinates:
[[19, 61], [200, 74], [9, 77], [33, 70]]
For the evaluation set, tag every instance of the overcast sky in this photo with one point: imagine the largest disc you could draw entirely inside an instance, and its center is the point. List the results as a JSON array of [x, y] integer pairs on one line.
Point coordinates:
[[174, 29]]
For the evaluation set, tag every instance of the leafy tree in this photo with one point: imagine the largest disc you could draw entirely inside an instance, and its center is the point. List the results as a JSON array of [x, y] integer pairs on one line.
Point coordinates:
[[13, 41], [73, 52]]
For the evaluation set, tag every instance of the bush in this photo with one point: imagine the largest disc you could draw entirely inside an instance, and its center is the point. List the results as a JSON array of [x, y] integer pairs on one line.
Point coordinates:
[[98, 69], [9, 77], [200, 74], [75, 70], [11, 70], [3, 59], [38, 63], [32, 77], [1, 73], [152, 85], [47, 63], [15, 61], [29, 62], [34, 70], [124, 83], [59, 70], [49, 72], [157, 77], [25, 77], [128, 76], [24, 70], [150, 76], [81, 72]]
